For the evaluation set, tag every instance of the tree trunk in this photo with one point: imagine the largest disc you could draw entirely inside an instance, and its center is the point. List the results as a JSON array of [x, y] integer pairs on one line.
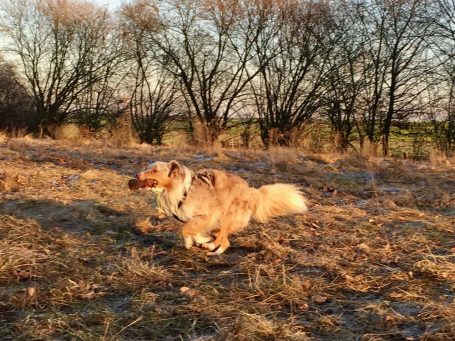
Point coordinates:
[[385, 144]]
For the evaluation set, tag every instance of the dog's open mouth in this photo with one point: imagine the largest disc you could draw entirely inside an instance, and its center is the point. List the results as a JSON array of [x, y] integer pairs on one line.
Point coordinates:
[[151, 183]]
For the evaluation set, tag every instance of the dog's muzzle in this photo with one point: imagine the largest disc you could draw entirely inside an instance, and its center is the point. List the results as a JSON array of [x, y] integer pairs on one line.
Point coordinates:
[[146, 182]]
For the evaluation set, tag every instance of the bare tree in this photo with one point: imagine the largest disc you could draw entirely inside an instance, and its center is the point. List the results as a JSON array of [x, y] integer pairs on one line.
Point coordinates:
[[288, 90], [344, 80], [207, 46], [394, 61], [64, 46], [442, 96], [152, 107], [102, 102], [154, 90], [406, 48]]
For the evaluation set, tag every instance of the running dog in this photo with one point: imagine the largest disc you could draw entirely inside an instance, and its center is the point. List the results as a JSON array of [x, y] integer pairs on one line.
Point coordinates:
[[213, 204]]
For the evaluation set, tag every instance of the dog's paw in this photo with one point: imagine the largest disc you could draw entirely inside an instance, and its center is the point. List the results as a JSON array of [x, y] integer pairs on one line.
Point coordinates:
[[209, 246], [218, 251]]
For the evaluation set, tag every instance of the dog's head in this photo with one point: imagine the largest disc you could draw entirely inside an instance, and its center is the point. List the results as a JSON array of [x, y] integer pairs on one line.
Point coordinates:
[[160, 175]]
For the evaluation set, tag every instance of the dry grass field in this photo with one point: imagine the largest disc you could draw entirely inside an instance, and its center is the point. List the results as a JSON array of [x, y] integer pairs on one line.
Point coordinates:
[[374, 259]]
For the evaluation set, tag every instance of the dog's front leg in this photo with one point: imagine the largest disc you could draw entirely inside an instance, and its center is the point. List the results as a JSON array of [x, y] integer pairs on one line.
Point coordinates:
[[187, 234]]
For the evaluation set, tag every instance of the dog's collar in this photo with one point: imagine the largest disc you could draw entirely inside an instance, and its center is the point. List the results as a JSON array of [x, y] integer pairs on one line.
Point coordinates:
[[177, 217], [185, 194]]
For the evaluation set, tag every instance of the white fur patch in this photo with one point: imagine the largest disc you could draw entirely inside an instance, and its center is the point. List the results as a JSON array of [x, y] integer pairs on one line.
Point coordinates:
[[157, 190], [200, 239], [209, 246], [170, 199]]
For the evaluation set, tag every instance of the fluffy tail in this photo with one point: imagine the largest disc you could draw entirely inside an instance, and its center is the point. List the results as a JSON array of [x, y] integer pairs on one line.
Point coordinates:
[[279, 199]]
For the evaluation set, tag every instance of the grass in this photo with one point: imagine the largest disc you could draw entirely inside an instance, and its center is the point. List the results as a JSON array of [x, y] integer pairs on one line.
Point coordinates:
[[372, 260]]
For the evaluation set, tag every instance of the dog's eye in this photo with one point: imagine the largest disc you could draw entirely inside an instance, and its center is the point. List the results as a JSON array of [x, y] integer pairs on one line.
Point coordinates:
[[154, 170]]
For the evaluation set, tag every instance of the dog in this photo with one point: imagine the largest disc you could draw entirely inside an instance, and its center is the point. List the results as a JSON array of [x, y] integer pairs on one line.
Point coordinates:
[[213, 204]]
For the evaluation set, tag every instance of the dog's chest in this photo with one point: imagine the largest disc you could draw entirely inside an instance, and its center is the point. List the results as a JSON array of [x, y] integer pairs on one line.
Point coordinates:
[[172, 207]]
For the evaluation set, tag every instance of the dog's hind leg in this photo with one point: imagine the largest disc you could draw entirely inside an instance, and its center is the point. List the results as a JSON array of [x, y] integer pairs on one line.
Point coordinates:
[[191, 232], [214, 243], [236, 219]]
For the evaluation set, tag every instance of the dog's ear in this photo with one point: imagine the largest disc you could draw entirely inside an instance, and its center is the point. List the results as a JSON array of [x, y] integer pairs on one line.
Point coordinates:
[[174, 168]]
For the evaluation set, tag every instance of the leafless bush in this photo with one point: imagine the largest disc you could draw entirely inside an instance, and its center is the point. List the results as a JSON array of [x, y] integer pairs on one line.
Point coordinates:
[[65, 48], [16, 111]]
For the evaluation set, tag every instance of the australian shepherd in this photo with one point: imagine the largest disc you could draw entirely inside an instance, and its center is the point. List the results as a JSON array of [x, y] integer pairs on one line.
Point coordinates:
[[212, 204]]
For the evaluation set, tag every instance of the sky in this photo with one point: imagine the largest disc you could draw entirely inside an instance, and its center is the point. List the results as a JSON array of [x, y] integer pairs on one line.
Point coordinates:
[[111, 4]]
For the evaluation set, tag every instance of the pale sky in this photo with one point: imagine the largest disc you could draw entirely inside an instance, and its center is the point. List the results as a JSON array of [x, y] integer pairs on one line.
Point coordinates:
[[111, 4]]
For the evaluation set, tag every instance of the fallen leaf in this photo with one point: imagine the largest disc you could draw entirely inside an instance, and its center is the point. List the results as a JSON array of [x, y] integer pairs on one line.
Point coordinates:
[[188, 292], [303, 307], [31, 291], [320, 299], [306, 284], [364, 248]]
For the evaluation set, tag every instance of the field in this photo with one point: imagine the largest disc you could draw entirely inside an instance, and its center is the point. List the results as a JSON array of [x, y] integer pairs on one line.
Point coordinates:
[[374, 258]]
